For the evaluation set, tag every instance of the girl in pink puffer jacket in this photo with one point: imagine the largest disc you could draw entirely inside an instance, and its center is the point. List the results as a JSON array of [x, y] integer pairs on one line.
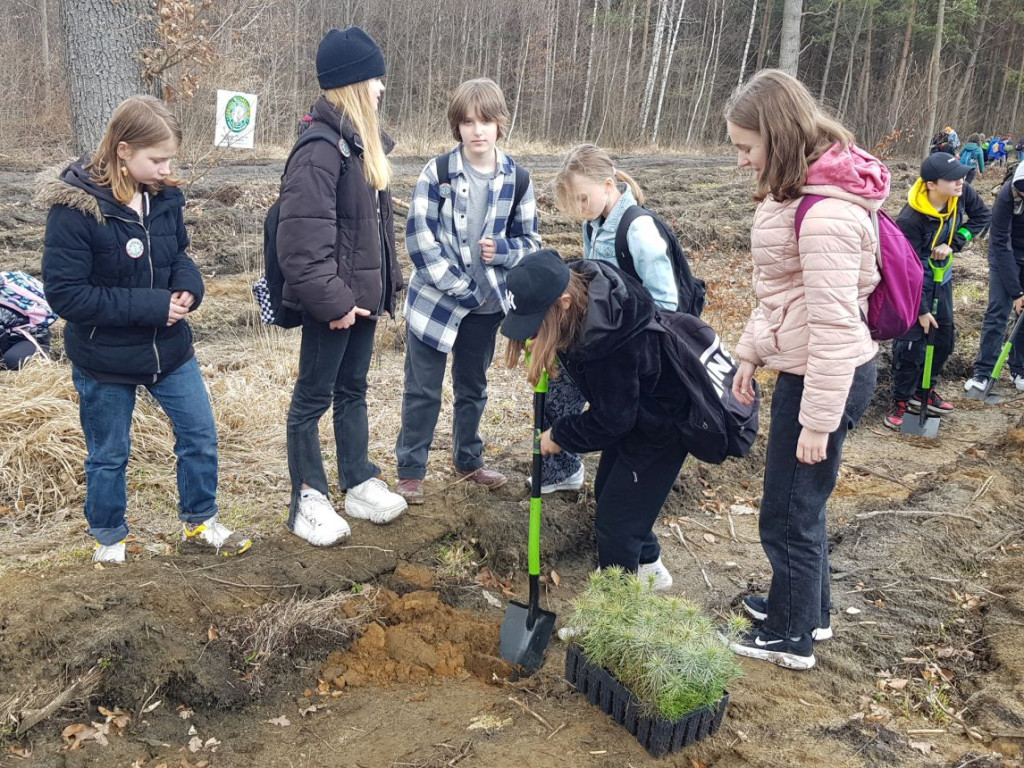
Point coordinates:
[[808, 326]]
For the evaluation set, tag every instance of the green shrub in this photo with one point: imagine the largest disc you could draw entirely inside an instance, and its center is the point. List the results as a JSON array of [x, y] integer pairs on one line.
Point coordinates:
[[664, 649]]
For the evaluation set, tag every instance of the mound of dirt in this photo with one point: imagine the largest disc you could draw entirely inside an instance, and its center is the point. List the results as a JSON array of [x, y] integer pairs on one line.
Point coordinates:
[[421, 638]]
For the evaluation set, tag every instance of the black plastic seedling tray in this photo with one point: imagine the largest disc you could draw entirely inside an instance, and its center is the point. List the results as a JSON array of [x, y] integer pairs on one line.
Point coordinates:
[[657, 735]]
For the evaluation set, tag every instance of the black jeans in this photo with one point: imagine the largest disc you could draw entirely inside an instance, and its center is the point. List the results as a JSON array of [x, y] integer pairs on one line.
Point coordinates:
[[792, 521], [332, 372], [908, 350], [421, 399], [993, 328], [628, 503]]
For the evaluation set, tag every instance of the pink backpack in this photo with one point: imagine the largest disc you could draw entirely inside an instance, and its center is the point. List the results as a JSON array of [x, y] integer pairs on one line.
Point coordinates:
[[894, 304], [22, 293]]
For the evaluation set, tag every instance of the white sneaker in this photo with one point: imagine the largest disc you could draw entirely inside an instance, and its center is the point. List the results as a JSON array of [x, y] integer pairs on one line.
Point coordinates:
[[657, 571], [977, 383], [108, 553], [573, 482], [1018, 382], [373, 501], [317, 522], [211, 534]]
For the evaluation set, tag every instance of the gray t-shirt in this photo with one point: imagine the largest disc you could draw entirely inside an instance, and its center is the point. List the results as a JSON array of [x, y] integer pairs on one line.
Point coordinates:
[[476, 217]]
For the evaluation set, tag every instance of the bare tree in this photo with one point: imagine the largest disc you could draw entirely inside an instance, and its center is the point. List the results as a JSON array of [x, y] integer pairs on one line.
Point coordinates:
[[103, 40], [746, 48], [789, 47], [933, 77]]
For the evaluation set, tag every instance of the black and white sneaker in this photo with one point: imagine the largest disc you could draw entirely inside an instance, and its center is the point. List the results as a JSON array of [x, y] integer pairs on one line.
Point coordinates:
[[757, 608], [788, 652]]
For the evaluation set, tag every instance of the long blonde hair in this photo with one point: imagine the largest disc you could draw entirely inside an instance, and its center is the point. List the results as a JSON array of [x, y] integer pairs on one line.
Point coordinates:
[[356, 102], [140, 122], [592, 163], [794, 130], [558, 331]]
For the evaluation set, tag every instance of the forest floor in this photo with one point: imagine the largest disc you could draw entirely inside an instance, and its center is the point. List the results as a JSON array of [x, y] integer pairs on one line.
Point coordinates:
[[178, 660]]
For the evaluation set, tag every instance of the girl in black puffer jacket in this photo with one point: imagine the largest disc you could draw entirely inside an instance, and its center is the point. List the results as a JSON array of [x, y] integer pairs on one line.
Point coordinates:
[[590, 321], [116, 269]]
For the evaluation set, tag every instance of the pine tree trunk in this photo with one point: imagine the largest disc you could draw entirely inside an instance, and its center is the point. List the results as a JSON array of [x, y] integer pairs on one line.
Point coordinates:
[[933, 78], [1017, 91], [865, 82], [961, 108], [762, 45], [844, 98], [746, 47], [44, 25], [789, 46], [102, 36], [901, 76], [831, 51]]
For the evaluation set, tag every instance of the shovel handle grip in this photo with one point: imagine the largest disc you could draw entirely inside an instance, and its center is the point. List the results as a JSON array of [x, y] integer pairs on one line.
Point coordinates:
[[1005, 352]]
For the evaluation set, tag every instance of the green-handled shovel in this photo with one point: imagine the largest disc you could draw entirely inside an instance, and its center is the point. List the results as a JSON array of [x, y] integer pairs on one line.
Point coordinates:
[[925, 425], [986, 393], [526, 630]]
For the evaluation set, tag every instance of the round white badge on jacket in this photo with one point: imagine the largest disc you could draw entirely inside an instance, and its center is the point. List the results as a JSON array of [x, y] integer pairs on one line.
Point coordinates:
[[134, 248]]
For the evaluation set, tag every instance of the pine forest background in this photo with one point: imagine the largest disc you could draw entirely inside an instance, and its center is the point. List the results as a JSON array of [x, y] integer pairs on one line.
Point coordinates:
[[618, 72]]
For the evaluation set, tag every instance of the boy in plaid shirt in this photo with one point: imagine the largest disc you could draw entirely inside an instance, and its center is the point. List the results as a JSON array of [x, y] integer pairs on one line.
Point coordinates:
[[462, 235]]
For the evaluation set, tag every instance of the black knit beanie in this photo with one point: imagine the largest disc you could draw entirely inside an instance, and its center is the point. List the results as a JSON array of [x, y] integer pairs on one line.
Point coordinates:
[[347, 56]]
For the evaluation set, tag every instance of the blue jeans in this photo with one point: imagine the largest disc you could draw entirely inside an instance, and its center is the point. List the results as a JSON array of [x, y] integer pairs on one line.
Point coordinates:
[[792, 520], [106, 413], [332, 372], [993, 328], [421, 398]]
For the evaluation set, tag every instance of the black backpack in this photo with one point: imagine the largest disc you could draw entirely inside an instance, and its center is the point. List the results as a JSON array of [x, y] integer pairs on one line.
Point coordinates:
[[691, 290], [268, 289], [1011, 170], [716, 425], [522, 183]]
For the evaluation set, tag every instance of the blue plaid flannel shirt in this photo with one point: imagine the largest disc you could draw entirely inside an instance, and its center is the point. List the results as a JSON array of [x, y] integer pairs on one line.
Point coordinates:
[[442, 290]]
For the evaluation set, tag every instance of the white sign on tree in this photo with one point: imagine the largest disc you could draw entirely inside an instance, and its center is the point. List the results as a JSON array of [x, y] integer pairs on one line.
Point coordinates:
[[236, 119]]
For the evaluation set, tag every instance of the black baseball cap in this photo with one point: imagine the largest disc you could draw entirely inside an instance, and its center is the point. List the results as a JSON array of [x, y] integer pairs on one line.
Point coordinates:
[[532, 286], [942, 165]]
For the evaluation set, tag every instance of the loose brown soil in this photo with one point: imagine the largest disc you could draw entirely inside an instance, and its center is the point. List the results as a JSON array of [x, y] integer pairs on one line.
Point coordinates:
[[925, 669]]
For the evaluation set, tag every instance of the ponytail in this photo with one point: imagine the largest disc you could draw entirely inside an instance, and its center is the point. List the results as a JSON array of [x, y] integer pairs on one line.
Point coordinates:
[[590, 162]]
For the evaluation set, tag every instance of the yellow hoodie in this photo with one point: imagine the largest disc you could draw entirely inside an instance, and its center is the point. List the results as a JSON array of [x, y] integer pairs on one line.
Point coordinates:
[[918, 200]]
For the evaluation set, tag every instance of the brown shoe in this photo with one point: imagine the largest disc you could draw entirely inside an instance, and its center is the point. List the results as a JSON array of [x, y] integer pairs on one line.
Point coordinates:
[[488, 478], [411, 489]]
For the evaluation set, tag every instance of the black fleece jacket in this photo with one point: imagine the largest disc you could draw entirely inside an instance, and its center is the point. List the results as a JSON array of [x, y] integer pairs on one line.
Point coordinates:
[[1006, 240], [617, 364]]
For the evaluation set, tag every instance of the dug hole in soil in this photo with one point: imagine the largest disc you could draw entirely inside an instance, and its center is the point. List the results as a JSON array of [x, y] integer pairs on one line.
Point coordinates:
[[401, 667]]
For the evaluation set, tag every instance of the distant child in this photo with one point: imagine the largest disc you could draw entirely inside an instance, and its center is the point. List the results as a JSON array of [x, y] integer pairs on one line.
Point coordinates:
[[973, 156], [941, 216], [812, 289], [997, 151], [590, 189], [1005, 283], [463, 235], [116, 268], [336, 248], [25, 319], [1019, 149]]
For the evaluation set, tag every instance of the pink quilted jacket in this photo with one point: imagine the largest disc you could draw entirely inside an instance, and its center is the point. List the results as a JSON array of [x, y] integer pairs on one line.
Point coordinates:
[[811, 296]]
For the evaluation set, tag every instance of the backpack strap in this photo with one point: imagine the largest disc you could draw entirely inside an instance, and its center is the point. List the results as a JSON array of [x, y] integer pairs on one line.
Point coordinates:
[[622, 254], [801, 210], [314, 133], [442, 166]]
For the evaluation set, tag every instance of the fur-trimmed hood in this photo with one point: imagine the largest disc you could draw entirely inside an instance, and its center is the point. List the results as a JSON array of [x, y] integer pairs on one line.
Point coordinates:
[[72, 186]]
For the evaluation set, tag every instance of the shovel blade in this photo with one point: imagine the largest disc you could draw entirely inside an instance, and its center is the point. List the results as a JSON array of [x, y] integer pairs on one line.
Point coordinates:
[[522, 645], [914, 426]]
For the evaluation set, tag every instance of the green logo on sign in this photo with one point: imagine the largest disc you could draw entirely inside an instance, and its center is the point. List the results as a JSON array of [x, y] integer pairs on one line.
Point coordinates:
[[237, 114]]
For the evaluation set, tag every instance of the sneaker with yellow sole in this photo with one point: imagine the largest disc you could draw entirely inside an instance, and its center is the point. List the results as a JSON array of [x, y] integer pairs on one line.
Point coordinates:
[[213, 536]]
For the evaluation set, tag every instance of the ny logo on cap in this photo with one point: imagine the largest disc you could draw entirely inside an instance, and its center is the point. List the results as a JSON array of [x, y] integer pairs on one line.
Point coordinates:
[[511, 300]]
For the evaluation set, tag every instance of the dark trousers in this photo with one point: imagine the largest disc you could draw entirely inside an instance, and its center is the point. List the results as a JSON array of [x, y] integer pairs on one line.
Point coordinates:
[[421, 400], [792, 519], [563, 399], [993, 328], [628, 503], [908, 350], [16, 355], [332, 373]]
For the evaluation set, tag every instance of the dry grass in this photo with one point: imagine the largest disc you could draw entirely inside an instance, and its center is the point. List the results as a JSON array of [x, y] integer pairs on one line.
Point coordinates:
[[275, 630]]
